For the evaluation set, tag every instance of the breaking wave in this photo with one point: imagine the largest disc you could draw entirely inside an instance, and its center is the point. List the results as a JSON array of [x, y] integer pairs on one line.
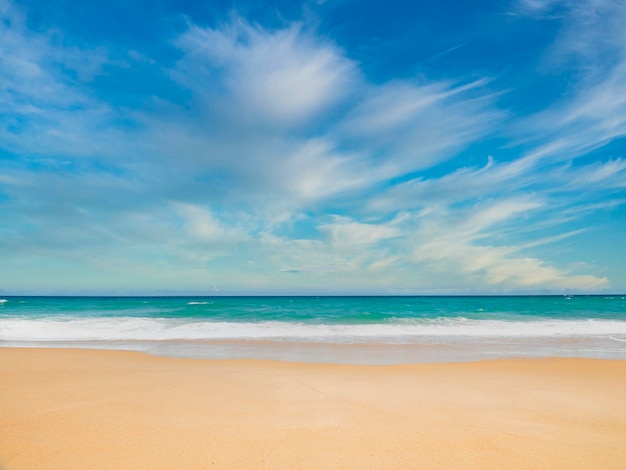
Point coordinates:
[[405, 331]]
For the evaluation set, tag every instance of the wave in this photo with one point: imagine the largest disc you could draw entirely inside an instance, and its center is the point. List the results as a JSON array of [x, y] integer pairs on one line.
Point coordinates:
[[3, 301], [159, 329], [199, 303]]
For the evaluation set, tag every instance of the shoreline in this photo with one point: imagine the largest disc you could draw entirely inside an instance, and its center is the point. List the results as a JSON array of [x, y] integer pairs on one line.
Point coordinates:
[[427, 350], [73, 408]]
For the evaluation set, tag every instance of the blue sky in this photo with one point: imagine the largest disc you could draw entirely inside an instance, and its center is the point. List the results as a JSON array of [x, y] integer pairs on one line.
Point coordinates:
[[329, 147]]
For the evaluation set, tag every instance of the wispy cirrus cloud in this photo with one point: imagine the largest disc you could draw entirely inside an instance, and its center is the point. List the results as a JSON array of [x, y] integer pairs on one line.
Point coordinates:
[[284, 77], [407, 126], [44, 110], [591, 49], [330, 135], [465, 244], [536, 7]]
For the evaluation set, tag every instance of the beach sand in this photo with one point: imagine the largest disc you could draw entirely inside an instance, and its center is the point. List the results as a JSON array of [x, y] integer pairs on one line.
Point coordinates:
[[87, 409]]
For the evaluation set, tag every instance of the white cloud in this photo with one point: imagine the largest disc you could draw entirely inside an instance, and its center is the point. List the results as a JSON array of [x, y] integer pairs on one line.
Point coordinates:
[[316, 171], [287, 76], [203, 226], [346, 233], [591, 49], [412, 126], [463, 184], [611, 174], [593, 117], [44, 108], [504, 179], [536, 7], [462, 247], [289, 122]]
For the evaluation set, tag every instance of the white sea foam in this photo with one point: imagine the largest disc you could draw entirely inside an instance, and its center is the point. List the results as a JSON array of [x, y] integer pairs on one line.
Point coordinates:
[[3, 301], [198, 303], [150, 329]]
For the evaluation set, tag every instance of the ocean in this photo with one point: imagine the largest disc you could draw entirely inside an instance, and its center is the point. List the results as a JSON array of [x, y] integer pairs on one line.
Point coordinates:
[[356, 330]]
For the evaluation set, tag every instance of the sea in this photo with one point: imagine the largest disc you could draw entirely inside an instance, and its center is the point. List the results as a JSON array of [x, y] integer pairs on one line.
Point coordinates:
[[350, 330]]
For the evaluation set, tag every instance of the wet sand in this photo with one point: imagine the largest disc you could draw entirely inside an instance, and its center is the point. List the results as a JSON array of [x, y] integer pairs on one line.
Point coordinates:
[[90, 409]]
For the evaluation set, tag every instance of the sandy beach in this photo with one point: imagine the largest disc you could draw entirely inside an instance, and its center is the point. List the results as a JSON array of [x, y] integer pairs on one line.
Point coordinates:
[[88, 409]]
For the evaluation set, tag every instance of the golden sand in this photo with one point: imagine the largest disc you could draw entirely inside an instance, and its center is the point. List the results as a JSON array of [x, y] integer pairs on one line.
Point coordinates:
[[77, 409]]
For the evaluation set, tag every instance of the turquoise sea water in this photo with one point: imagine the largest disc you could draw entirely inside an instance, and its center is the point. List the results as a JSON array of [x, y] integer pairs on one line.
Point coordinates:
[[328, 329]]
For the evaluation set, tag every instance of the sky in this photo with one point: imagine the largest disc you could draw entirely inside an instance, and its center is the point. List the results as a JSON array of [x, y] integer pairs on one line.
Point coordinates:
[[317, 147]]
